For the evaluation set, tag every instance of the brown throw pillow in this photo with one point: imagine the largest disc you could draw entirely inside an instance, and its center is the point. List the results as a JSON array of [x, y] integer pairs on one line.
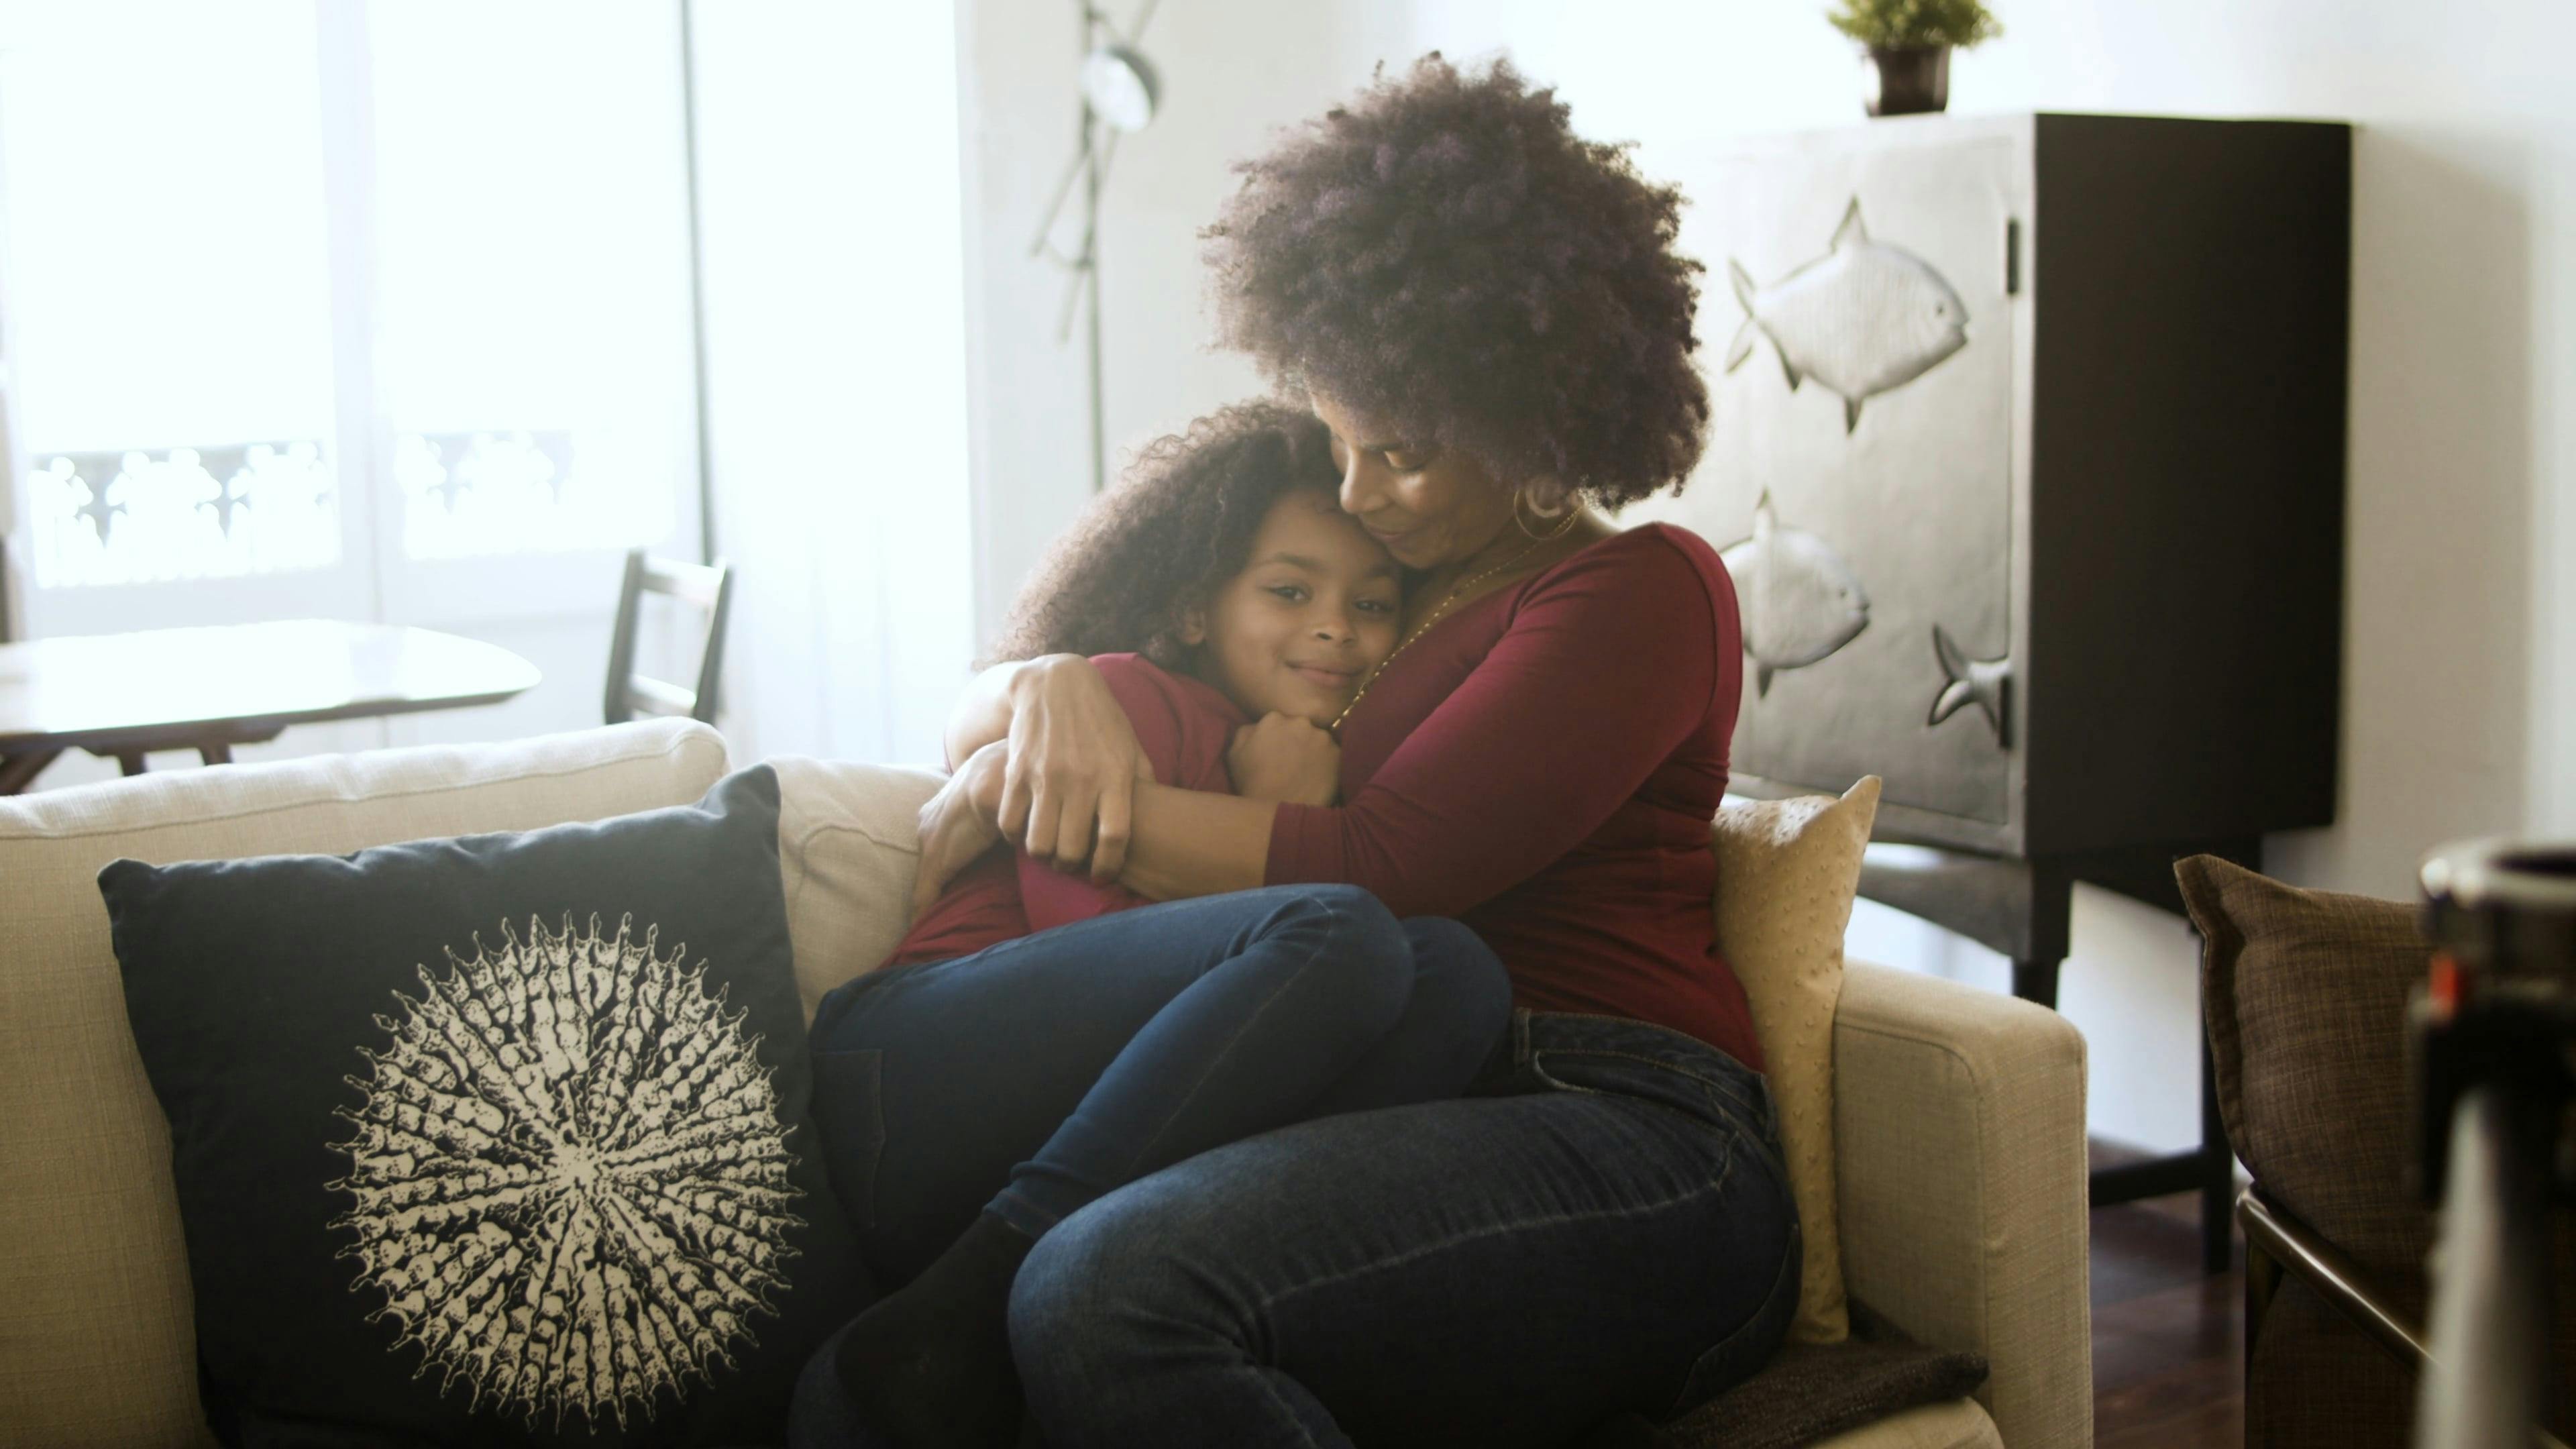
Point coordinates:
[[2305, 993], [2306, 996]]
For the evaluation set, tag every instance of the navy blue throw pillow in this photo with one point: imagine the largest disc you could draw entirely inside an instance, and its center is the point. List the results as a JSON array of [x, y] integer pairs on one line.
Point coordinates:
[[499, 1140]]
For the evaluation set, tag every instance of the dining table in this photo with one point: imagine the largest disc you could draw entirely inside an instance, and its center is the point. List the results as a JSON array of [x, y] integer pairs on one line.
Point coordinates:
[[210, 688]]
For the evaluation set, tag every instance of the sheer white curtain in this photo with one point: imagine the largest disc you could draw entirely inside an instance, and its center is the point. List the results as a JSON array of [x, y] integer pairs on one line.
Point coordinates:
[[833, 284]]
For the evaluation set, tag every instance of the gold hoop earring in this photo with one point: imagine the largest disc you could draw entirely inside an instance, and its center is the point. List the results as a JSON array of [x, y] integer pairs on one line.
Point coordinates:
[[1565, 519]]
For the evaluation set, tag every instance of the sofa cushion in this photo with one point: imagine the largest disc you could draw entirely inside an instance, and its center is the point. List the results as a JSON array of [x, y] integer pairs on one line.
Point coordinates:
[[96, 1339], [849, 846], [497, 1139], [1786, 871]]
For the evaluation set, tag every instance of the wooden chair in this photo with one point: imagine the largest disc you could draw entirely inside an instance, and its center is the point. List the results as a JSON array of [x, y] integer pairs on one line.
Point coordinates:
[[709, 587]]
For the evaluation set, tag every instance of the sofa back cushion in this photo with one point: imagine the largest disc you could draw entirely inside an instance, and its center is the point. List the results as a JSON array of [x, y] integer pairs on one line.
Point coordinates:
[[848, 848], [96, 1343]]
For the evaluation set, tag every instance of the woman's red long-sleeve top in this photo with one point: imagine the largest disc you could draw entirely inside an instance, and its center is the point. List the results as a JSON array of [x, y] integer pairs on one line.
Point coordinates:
[[1543, 765]]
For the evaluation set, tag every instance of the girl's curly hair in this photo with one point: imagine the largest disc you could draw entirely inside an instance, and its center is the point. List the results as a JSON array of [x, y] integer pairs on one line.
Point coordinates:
[[1178, 525], [1444, 253]]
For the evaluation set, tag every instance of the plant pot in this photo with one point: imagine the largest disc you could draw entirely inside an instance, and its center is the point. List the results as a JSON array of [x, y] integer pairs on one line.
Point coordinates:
[[1906, 82]]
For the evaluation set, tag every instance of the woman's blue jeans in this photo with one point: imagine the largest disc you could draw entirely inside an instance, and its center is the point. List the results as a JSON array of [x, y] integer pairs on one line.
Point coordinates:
[[1033, 1077], [1609, 1231]]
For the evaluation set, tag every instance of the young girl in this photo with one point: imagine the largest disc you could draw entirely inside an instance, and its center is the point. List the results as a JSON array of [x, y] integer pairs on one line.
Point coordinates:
[[1035, 1043]]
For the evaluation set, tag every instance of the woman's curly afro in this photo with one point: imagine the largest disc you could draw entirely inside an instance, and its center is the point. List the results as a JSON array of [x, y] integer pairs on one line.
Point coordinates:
[[1179, 524], [1444, 254]]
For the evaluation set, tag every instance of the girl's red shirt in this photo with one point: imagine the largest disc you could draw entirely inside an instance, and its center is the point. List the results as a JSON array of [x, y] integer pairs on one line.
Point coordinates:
[[1184, 727], [1543, 765]]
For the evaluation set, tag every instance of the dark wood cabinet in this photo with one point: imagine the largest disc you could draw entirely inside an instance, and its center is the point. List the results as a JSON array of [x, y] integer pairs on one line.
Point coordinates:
[[2058, 401], [2026, 454]]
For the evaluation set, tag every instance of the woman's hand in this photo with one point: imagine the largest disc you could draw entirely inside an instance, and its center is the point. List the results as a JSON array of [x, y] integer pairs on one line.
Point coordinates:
[[1068, 795], [1285, 759], [957, 824]]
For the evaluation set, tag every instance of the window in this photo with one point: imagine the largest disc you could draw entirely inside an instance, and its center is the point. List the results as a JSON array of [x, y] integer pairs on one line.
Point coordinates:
[[374, 310]]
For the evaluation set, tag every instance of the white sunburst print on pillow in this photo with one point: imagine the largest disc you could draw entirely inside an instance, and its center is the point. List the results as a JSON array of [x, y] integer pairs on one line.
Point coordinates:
[[571, 1183]]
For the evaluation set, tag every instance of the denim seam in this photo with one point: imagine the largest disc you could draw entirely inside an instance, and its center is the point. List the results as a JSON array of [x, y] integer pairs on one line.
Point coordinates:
[[1021, 1199], [1522, 1225], [1789, 1274], [1763, 1136], [1657, 1063], [1332, 934], [1295, 1420]]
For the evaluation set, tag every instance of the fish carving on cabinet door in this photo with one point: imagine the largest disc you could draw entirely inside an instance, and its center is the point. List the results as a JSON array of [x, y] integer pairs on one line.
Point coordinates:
[[1863, 319], [1966, 681], [1799, 601]]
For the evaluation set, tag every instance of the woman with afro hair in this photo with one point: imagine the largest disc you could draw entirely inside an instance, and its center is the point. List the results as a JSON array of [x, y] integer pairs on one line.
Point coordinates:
[[1487, 312]]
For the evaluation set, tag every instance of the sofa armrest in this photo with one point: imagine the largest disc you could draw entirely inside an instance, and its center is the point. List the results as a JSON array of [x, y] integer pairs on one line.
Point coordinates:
[[1959, 1131]]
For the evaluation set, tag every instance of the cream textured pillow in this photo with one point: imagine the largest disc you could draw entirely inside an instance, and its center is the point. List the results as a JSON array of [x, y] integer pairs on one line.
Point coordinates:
[[1786, 870], [848, 848]]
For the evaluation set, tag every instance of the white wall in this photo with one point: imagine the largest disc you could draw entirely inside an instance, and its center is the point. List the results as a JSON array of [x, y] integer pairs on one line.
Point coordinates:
[[2460, 710], [1231, 74]]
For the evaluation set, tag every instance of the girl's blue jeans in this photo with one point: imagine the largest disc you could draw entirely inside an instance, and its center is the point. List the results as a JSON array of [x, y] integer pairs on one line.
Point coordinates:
[[1035, 1076]]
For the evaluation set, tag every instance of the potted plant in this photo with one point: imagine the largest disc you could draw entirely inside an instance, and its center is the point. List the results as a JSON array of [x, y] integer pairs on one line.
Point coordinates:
[[1909, 44]]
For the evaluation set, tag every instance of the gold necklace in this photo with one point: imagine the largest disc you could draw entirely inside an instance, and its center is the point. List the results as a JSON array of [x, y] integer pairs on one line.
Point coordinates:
[[1442, 607]]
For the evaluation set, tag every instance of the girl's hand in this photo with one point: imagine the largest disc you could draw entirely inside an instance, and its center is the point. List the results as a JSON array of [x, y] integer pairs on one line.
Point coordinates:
[[1068, 795], [957, 824], [1285, 758]]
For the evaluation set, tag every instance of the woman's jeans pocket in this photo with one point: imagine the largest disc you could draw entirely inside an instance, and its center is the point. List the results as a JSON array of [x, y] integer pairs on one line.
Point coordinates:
[[849, 1107]]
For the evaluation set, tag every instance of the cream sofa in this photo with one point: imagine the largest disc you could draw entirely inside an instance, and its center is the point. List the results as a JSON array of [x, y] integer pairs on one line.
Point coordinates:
[[1960, 1114]]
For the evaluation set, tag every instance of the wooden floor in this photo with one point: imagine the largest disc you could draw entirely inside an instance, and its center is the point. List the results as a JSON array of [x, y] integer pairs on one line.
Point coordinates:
[[2168, 1369]]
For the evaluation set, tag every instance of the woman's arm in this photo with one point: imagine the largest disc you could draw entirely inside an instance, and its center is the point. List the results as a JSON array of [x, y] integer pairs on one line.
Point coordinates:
[[1189, 843], [1074, 761], [983, 713]]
